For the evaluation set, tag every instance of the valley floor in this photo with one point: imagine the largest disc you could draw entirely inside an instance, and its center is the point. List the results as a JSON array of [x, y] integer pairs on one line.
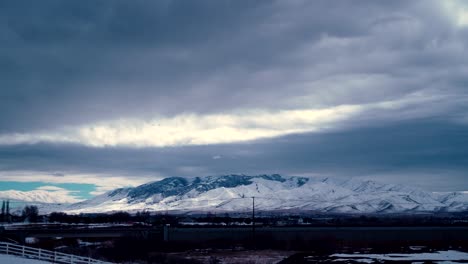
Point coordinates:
[[405, 255]]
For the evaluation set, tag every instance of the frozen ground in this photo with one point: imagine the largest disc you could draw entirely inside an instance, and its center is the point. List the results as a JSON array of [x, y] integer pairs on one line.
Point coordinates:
[[19, 260], [449, 255], [406, 254], [271, 256], [236, 257]]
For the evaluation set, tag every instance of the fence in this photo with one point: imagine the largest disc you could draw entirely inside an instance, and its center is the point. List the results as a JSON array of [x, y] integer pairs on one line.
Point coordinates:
[[45, 255]]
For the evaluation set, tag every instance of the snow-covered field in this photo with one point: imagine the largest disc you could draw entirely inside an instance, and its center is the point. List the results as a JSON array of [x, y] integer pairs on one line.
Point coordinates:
[[441, 256], [8, 259], [266, 256], [451, 255]]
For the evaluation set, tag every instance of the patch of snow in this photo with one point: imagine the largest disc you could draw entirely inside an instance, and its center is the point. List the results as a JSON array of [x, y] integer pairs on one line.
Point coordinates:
[[355, 260], [40, 196], [19, 260], [417, 247], [451, 255], [31, 240]]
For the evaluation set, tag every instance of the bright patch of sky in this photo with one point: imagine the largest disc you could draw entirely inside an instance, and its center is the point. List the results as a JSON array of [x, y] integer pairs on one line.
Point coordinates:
[[458, 10], [69, 185], [193, 129]]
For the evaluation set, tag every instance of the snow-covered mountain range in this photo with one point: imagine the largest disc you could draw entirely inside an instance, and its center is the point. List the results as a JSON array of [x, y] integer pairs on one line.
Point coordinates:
[[272, 193], [41, 196]]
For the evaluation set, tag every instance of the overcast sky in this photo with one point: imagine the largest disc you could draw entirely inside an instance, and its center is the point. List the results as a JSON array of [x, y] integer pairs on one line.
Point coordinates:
[[118, 93]]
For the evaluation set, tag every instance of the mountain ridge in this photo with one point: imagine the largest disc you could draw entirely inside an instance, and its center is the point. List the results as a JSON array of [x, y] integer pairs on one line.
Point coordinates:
[[272, 192]]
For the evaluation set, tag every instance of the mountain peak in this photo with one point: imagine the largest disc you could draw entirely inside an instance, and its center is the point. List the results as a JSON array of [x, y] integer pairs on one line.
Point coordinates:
[[274, 192], [181, 186]]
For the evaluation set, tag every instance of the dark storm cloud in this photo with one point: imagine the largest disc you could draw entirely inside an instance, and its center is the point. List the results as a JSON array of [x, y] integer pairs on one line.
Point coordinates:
[[424, 152], [72, 63], [84, 61]]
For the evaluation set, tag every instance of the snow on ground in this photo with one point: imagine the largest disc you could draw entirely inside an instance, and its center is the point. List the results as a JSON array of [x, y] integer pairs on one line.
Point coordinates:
[[449, 255], [233, 257], [19, 260]]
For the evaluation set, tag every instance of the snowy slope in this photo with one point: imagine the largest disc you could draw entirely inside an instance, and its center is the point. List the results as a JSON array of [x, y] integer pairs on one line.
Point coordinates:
[[41, 196], [272, 192]]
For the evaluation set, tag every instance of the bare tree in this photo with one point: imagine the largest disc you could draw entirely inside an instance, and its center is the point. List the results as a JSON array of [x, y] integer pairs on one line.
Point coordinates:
[[30, 213], [3, 212], [8, 216]]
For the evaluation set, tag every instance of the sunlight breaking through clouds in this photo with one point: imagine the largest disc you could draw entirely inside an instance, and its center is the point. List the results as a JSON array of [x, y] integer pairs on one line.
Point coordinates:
[[457, 10], [192, 129]]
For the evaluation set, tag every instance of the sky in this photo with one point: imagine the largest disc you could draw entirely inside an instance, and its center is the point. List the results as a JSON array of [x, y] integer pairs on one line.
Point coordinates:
[[96, 95]]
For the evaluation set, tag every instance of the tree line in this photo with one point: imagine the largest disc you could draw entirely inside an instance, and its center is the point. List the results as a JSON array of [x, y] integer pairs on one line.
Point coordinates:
[[5, 216], [30, 213]]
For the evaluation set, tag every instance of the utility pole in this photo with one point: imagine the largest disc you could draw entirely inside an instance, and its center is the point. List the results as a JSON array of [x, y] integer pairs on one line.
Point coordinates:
[[3, 212], [253, 221], [8, 211]]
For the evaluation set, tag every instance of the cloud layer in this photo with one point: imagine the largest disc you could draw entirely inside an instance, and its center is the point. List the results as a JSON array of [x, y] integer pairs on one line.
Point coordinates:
[[143, 90], [79, 64]]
